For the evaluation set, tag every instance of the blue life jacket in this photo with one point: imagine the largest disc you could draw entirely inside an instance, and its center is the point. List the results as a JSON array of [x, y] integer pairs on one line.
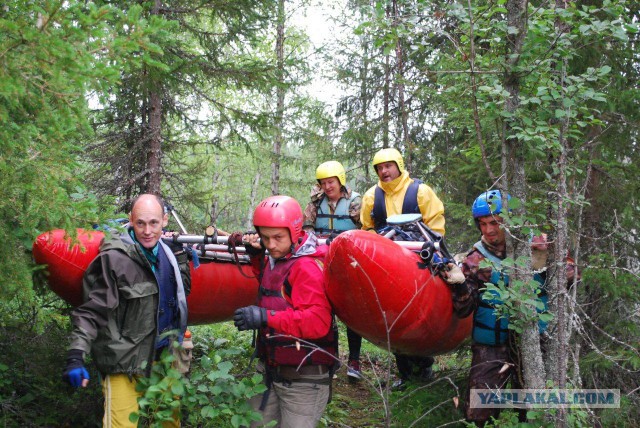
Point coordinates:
[[409, 204], [168, 313], [339, 221], [488, 329]]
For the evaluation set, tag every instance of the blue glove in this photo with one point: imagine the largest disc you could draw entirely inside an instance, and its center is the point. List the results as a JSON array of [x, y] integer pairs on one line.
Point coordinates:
[[74, 371], [250, 318]]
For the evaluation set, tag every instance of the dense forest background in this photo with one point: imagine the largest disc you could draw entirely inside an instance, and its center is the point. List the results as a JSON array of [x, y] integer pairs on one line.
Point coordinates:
[[216, 105]]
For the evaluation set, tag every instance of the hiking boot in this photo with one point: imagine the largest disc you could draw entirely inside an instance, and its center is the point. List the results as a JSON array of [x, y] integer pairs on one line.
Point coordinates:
[[353, 371], [426, 375]]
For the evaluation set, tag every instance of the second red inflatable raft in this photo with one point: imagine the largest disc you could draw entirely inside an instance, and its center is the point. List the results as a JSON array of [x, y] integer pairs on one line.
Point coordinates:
[[384, 293]]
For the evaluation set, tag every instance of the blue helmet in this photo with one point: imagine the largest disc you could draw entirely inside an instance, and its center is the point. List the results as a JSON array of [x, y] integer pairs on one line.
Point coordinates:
[[483, 204]]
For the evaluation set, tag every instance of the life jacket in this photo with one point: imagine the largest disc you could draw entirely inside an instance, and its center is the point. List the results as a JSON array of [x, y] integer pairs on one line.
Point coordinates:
[[488, 329], [409, 204], [339, 221], [275, 294]]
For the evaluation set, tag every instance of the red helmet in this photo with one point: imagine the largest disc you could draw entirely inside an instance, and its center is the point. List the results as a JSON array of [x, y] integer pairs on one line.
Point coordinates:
[[280, 211]]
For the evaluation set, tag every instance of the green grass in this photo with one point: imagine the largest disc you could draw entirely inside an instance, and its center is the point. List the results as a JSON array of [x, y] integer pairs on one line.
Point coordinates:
[[28, 375]]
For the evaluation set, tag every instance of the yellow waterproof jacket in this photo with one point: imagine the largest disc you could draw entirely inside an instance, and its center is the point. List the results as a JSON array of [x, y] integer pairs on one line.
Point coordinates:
[[430, 205]]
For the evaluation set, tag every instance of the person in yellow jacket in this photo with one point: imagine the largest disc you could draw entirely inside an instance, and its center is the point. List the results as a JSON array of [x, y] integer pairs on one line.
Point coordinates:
[[395, 188], [397, 193]]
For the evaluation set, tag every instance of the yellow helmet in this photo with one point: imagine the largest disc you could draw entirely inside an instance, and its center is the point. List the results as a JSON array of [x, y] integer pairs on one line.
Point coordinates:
[[389, 155], [331, 169]]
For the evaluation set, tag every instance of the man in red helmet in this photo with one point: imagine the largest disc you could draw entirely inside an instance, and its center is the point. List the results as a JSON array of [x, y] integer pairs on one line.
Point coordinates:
[[297, 339]]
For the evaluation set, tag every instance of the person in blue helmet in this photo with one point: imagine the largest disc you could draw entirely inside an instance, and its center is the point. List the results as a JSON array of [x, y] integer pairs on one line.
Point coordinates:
[[492, 345]]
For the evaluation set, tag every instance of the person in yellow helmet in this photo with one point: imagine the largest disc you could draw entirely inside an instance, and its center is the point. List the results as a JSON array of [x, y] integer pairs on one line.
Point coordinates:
[[397, 193], [394, 195], [333, 209]]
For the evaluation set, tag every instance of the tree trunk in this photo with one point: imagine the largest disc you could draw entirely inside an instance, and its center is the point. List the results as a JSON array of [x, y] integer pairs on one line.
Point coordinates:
[[558, 296], [280, 93], [532, 365], [252, 201], [215, 183], [154, 149], [403, 115], [474, 95], [363, 141], [558, 293], [386, 98]]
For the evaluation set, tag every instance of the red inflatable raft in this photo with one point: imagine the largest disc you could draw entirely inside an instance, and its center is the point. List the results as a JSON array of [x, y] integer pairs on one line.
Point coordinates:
[[381, 292], [376, 287], [217, 287]]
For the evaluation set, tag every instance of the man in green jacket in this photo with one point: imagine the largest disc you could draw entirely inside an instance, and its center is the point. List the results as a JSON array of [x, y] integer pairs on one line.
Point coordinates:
[[134, 307]]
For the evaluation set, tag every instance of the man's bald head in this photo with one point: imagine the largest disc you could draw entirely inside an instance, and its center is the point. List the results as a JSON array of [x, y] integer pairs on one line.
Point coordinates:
[[145, 197], [147, 217]]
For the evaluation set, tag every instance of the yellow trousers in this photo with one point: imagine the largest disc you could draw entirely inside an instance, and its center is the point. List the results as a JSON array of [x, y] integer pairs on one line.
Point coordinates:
[[120, 400]]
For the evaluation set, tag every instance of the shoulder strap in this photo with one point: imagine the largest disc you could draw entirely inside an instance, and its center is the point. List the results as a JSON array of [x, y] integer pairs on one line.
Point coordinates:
[[410, 203], [487, 254], [379, 213], [318, 204]]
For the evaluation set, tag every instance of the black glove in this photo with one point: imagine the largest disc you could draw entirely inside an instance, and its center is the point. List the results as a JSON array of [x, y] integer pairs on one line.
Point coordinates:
[[330, 238], [234, 240], [250, 318], [253, 251], [75, 372], [459, 290]]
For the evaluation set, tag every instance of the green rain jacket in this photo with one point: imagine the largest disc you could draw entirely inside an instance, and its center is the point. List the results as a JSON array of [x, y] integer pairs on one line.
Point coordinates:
[[117, 323]]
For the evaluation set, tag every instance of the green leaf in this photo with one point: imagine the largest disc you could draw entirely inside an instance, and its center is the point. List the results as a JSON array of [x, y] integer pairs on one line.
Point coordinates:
[[209, 412], [237, 421], [514, 203], [604, 70], [545, 317]]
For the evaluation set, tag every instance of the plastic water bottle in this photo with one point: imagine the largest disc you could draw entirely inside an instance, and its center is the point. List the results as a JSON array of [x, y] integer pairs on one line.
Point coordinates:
[[187, 343], [182, 361]]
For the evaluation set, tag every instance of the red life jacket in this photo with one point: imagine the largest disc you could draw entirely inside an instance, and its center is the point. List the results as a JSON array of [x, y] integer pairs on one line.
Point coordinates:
[[275, 293]]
